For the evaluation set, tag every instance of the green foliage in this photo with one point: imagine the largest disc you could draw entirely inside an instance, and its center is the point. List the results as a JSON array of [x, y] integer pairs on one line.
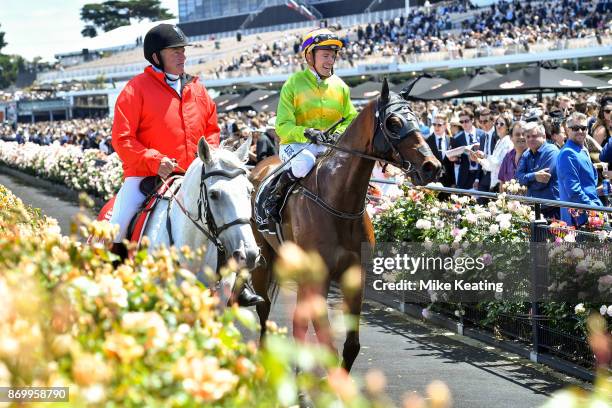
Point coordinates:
[[10, 66], [420, 217], [112, 14], [2, 42]]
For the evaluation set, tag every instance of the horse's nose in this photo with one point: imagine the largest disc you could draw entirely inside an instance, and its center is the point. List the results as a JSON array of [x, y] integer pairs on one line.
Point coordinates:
[[240, 257], [431, 170], [252, 256]]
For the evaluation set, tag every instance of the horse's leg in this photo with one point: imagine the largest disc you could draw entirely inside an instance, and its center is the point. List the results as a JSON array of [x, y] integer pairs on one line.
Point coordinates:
[[353, 300], [261, 278], [321, 323]]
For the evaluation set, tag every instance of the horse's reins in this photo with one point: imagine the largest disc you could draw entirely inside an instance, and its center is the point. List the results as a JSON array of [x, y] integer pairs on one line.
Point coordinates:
[[379, 126]]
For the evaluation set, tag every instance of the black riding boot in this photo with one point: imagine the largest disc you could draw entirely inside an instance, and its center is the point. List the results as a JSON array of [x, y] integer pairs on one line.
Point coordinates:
[[273, 203], [247, 298]]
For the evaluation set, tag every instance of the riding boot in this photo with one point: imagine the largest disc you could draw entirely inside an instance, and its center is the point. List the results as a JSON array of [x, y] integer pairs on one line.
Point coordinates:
[[247, 298], [121, 251], [273, 203]]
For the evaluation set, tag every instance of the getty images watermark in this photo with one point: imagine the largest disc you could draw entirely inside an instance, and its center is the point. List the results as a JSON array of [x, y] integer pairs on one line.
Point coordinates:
[[424, 265], [476, 272]]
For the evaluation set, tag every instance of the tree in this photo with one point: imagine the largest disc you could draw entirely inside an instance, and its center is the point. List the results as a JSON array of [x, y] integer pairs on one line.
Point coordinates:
[[10, 65], [89, 31], [112, 14], [2, 42]]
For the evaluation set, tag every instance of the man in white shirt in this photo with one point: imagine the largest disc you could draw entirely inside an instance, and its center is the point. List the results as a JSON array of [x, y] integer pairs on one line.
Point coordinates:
[[439, 142], [486, 122], [467, 172]]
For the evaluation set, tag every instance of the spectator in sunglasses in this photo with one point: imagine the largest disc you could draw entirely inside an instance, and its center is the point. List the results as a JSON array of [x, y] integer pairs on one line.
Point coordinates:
[[467, 171], [602, 129], [439, 141], [492, 162], [489, 142], [577, 176]]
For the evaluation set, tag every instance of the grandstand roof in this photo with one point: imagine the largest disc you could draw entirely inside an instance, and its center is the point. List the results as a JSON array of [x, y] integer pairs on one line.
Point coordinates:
[[119, 37]]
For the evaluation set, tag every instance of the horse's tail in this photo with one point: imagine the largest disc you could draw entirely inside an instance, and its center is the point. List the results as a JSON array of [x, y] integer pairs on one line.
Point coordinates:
[[272, 286], [273, 289]]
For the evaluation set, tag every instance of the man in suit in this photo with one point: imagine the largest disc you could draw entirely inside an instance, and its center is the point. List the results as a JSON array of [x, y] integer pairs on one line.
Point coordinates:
[[467, 172], [439, 142], [489, 141]]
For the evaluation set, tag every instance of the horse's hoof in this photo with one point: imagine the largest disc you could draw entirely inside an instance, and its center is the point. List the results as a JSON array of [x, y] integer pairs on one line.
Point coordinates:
[[304, 401]]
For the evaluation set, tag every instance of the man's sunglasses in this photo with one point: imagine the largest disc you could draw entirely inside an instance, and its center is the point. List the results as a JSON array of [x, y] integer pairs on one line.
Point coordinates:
[[465, 121], [579, 128], [607, 110], [500, 124]]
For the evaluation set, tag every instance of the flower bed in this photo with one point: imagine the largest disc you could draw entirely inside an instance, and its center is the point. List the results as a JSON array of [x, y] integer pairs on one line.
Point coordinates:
[[459, 223], [91, 170], [147, 333]]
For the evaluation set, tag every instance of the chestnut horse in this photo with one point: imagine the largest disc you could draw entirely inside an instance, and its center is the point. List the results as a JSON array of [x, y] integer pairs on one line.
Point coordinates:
[[326, 212]]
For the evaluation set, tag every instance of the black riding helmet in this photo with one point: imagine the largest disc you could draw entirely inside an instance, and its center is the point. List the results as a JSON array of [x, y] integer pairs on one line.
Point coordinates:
[[163, 36]]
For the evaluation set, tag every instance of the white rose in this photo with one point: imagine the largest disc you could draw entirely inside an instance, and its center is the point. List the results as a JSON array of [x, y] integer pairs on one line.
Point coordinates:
[[577, 253], [599, 266], [610, 310], [493, 229], [423, 224], [603, 310], [579, 309], [471, 218]]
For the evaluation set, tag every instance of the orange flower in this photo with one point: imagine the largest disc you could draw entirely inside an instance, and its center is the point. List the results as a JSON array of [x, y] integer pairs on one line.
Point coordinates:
[[204, 379]]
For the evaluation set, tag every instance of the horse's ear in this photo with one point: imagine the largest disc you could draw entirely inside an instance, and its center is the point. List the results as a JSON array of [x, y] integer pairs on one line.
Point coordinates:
[[204, 151], [384, 94], [243, 151]]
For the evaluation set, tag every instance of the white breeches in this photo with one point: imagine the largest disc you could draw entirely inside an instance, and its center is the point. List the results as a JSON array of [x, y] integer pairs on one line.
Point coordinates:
[[304, 161], [128, 200]]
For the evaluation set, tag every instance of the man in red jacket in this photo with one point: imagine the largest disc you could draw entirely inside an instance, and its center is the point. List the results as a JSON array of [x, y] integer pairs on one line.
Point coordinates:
[[159, 117]]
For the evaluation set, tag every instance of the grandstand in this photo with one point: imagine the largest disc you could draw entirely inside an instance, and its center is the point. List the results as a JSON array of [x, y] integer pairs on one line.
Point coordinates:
[[196, 20], [266, 54]]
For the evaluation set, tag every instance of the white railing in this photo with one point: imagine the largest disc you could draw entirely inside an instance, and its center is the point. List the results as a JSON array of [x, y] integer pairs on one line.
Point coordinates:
[[393, 62], [468, 55]]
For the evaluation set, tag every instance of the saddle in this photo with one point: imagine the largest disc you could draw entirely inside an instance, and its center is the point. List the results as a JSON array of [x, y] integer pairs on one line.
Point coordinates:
[[154, 189], [263, 191]]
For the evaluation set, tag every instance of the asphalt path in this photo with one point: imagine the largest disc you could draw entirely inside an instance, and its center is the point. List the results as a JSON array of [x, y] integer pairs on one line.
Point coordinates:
[[409, 352]]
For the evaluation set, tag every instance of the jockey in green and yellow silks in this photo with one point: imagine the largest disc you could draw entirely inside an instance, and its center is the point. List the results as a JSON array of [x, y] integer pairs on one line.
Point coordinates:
[[310, 101]]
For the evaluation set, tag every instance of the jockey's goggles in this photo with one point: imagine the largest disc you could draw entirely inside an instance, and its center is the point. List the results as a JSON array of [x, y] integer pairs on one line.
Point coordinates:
[[329, 41]]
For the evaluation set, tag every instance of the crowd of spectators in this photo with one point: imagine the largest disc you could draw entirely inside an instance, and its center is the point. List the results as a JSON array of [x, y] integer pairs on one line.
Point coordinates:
[[47, 92], [503, 140], [87, 133], [428, 29], [557, 148]]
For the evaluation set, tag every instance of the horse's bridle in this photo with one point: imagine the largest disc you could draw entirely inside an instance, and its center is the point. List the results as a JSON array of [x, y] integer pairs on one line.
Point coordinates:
[[384, 139], [204, 212]]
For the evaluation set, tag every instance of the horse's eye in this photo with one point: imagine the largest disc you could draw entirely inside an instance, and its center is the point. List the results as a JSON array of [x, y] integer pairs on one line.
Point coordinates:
[[394, 124], [214, 195]]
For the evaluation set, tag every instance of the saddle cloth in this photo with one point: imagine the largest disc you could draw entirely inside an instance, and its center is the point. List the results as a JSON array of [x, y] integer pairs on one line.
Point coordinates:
[[263, 191], [154, 192]]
